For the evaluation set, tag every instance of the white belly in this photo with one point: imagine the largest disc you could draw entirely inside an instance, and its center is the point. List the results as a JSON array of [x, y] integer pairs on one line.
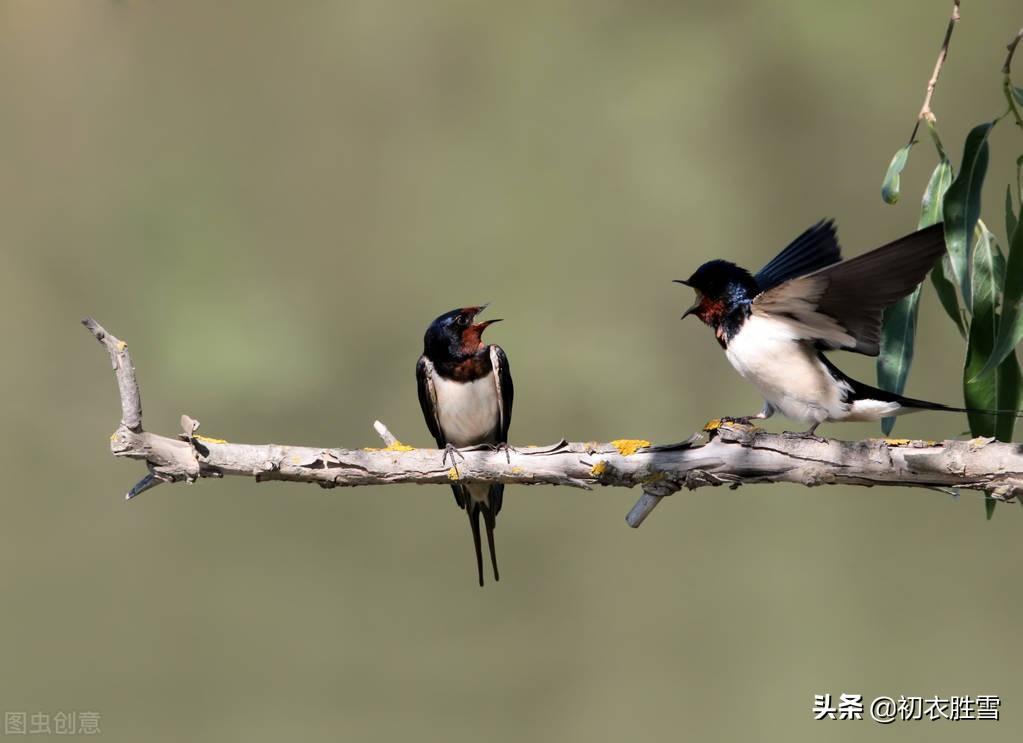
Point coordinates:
[[467, 411], [786, 371]]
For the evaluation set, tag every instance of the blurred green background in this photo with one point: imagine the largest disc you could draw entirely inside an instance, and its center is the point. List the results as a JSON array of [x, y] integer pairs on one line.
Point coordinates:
[[271, 201]]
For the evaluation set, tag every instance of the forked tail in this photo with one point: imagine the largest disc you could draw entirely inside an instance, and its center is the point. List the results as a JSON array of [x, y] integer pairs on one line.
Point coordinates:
[[475, 509]]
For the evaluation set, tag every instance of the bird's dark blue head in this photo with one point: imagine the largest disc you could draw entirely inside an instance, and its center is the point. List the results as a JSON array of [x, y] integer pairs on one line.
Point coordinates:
[[454, 336], [721, 288]]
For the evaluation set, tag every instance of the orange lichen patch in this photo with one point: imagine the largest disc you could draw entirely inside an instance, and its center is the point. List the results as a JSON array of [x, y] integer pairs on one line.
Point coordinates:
[[599, 468], [452, 474], [712, 425], [208, 440], [627, 447]]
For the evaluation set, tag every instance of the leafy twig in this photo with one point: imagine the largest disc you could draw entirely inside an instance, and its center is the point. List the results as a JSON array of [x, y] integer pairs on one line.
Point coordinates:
[[1007, 87], [925, 110]]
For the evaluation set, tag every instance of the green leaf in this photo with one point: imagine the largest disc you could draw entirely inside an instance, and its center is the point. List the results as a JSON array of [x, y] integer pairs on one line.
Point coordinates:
[[999, 390], [1010, 383], [946, 292], [934, 194], [890, 186], [898, 334], [1010, 329], [898, 331], [1011, 220], [998, 260], [962, 208], [982, 393], [1019, 182]]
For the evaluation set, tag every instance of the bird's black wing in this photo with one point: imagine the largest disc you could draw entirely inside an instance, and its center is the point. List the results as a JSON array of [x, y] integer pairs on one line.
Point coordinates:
[[814, 249], [840, 306], [505, 390], [505, 398], [428, 399]]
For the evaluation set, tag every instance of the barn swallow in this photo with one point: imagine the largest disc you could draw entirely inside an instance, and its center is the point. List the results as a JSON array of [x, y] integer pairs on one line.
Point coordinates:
[[466, 392], [775, 326]]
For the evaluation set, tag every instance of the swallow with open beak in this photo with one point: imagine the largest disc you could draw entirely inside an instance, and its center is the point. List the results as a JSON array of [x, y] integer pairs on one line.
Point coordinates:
[[775, 326], [466, 393]]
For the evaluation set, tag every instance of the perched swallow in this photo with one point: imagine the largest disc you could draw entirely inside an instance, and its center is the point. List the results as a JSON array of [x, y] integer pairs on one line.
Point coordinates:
[[775, 326], [466, 392]]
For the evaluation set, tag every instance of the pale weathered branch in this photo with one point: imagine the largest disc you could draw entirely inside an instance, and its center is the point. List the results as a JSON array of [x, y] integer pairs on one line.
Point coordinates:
[[735, 455]]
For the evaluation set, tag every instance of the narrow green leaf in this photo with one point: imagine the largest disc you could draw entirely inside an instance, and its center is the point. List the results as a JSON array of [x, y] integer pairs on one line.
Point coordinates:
[[1011, 220], [1010, 384], [1019, 182], [962, 208], [898, 331], [946, 292], [990, 269], [890, 186], [1010, 329], [934, 195], [998, 264], [898, 334], [981, 393]]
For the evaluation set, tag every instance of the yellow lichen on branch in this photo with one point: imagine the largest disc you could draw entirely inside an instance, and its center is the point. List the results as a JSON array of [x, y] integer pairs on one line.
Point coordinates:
[[208, 440], [396, 446], [908, 442], [627, 447]]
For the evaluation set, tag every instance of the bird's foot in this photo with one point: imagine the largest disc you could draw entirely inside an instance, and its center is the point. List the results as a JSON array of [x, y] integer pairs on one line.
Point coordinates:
[[507, 449], [452, 452], [810, 434]]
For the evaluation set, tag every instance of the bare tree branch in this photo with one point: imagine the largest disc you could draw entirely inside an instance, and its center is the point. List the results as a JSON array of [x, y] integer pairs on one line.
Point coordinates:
[[735, 455]]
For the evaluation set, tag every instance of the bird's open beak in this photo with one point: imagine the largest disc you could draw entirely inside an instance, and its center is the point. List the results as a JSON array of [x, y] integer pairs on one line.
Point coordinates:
[[481, 326], [696, 304]]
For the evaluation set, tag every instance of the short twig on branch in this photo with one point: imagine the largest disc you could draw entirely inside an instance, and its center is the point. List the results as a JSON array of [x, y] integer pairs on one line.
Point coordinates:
[[1007, 86], [734, 456], [926, 114]]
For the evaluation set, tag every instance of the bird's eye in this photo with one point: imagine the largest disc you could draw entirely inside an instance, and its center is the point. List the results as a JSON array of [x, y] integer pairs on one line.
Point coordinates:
[[463, 320]]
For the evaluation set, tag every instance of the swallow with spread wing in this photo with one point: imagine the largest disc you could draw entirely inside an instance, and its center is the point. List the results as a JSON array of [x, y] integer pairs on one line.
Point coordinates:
[[775, 326], [466, 392]]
